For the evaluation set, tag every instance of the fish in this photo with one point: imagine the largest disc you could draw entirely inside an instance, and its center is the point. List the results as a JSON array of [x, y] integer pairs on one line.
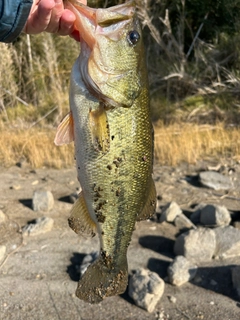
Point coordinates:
[[110, 124]]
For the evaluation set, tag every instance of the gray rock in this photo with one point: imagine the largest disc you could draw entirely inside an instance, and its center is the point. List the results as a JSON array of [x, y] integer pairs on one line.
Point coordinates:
[[3, 217], [73, 197], [213, 282], [215, 215], [236, 278], [236, 224], [215, 180], [170, 212], [196, 245], [38, 226], [181, 271], [182, 222], [158, 210], [42, 200], [172, 299], [195, 216], [197, 279], [227, 242], [87, 260], [2, 252], [146, 289]]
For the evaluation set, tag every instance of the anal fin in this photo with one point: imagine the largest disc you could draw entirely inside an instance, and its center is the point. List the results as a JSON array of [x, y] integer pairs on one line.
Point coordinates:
[[80, 220], [99, 129], [150, 205]]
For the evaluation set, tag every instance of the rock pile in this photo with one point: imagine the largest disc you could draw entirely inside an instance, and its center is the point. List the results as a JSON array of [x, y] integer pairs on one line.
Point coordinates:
[[206, 235]]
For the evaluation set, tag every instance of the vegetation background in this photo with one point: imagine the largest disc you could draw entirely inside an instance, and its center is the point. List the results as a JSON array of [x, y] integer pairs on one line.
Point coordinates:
[[193, 56]]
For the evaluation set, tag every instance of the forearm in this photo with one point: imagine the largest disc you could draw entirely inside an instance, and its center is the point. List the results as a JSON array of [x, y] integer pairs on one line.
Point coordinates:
[[13, 16]]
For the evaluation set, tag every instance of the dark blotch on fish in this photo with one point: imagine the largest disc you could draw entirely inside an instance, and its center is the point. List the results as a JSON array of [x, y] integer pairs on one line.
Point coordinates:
[[100, 217], [107, 259]]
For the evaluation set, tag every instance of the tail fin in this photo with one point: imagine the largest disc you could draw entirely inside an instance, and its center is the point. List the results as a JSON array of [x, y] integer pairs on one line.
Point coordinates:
[[99, 282]]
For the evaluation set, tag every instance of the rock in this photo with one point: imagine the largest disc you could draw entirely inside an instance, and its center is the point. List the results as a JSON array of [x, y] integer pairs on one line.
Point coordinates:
[[182, 222], [170, 212], [195, 216], [215, 215], [196, 245], [2, 252], [158, 209], [215, 180], [172, 299], [73, 197], [181, 271], [22, 163], [197, 279], [236, 278], [227, 242], [15, 187], [38, 226], [3, 217], [213, 282], [236, 224], [87, 260], [42, 200], [10, 235], [146, 289]]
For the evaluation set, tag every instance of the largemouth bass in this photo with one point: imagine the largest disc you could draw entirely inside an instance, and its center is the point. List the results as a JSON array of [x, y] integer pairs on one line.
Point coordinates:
[[110, 125]]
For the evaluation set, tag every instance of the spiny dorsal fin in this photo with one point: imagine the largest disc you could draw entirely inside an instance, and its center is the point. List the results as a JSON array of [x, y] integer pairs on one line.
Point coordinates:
[[99, 129], [80, 220], [150, 205], [65, 133]]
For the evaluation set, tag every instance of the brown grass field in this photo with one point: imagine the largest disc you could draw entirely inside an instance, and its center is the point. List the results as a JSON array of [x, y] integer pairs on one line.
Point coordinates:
[[173, 144]]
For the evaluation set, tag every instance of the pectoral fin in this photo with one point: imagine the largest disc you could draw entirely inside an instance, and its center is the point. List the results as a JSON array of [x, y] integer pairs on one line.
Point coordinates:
[[65, 132], [80, 220], [99, 129], [150, 205]]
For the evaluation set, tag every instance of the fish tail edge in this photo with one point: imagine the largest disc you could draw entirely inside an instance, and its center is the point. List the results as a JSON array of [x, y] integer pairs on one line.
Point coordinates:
[[100, 281]]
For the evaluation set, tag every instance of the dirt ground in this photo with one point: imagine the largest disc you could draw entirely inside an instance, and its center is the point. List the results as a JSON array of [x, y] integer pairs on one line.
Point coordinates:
[[39, 277]]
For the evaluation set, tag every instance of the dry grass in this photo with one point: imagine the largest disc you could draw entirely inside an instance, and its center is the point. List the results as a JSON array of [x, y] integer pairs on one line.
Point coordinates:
[[36, 147], [173, 144], [191, 142]]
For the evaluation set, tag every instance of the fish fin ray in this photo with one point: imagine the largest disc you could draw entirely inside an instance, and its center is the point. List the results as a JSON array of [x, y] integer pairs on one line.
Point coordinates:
[[150, 205], [100, 281], [65, 133], [99, 128], [80, 220]]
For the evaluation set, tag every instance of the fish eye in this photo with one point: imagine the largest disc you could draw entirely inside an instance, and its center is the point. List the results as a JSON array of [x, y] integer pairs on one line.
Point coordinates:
[[133, 37]]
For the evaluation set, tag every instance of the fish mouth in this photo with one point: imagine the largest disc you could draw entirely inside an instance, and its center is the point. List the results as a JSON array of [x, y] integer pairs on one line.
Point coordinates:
[[90, 22], [95, 25]]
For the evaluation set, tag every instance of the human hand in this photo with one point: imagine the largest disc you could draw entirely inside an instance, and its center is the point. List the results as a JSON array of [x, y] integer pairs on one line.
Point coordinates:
[[50, 16]]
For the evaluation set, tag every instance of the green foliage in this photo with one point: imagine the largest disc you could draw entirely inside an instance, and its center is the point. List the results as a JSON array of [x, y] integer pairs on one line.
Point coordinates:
[[222, 17]]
